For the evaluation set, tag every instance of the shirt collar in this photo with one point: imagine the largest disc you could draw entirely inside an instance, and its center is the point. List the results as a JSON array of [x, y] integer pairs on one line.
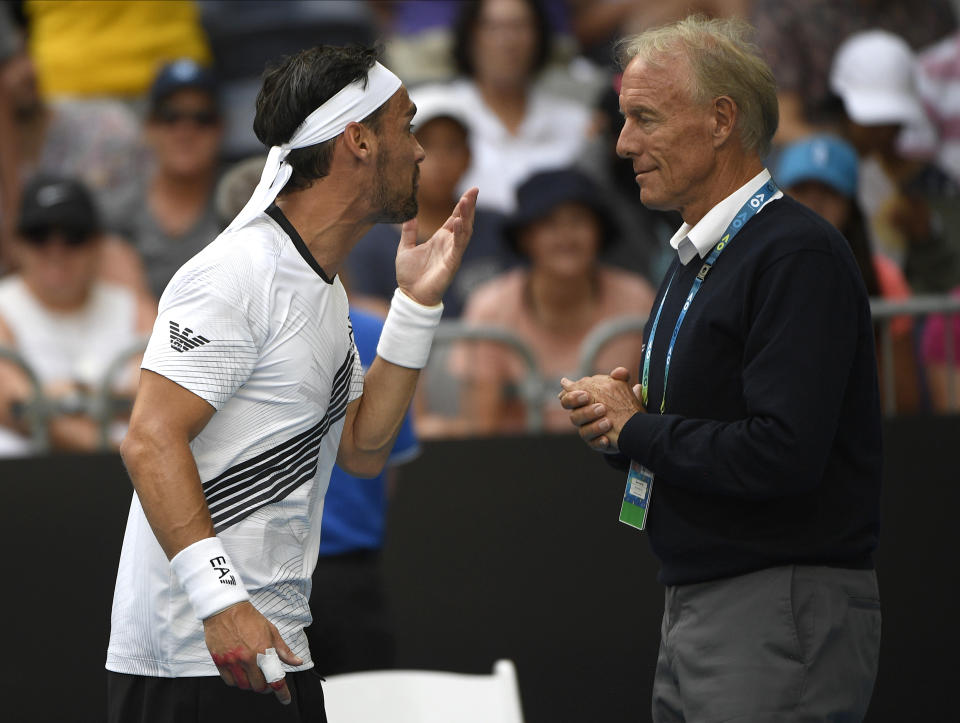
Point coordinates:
[[689, 241]]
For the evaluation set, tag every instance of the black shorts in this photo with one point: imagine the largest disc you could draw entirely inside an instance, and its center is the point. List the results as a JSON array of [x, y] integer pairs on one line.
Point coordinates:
[[144, 699]]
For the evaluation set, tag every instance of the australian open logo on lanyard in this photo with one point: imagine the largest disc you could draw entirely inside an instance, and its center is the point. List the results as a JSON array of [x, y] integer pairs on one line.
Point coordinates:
[[636, 496]]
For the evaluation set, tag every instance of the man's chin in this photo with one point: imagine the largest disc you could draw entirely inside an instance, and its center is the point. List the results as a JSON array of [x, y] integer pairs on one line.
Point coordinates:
[[399, 215], [652, 200]]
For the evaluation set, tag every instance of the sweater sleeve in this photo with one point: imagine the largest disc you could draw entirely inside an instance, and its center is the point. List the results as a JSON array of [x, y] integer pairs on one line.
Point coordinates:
[[798, 353]]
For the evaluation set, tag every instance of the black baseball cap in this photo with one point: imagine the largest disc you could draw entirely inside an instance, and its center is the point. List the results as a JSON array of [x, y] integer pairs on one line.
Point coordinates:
[[542, 192], [179, 75], [57, 202]]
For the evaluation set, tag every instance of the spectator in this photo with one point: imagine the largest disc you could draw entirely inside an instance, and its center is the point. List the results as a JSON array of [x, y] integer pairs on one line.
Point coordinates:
[[441, 129], [66, 324], [175, 215], [938, 140], [598, 24], [800, 37], [419, 38], [937, 357], [10, 48], [236, 186], [872, 74], [96, 141], [561, 226], [938, 85], [821, 173], [96, 48], [516, 128]]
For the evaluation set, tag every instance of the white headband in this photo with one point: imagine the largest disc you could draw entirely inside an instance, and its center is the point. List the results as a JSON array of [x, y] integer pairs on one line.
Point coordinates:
[[351, 104]]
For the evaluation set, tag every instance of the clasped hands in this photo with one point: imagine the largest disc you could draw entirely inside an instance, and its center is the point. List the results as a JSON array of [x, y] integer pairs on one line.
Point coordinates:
[[599, 407]]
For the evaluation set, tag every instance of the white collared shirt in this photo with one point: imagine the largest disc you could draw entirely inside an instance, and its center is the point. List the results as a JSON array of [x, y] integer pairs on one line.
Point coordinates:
[[689, 241]]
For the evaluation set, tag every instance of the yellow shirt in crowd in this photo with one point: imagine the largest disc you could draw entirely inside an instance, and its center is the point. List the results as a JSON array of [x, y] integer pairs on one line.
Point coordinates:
[[93, 47]]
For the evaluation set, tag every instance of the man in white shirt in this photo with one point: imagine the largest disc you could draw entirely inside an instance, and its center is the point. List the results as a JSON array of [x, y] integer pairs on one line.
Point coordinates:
[[252, 388]]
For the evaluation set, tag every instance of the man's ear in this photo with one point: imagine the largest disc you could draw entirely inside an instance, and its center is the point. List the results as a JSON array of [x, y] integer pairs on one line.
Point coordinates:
[[725, 114], [360, 141]]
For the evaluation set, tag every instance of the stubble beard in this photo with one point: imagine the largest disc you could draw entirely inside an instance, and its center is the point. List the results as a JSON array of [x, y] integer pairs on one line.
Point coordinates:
[[394, 207]]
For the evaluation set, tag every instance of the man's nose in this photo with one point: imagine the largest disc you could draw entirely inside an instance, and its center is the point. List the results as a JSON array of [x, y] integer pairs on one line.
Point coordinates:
[[623, 144]]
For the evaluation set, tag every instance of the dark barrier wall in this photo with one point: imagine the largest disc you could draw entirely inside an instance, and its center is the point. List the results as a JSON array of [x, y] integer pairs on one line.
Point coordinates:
[[499, 548]]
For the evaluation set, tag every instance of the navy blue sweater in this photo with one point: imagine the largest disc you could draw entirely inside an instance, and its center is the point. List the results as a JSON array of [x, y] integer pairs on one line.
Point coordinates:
[[768, 451]]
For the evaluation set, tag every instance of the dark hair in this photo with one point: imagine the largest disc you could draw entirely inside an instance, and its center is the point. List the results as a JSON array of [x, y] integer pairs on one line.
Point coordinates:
[[296, 87], [467, 23], [855, 231]]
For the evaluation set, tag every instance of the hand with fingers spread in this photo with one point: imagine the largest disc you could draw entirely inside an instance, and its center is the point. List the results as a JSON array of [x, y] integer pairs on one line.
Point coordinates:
[[424, 271], [600, 405], [234, 637]]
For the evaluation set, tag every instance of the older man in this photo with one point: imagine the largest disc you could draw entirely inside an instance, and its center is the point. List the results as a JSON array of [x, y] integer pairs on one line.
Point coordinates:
[[252, 388], [757, 418]]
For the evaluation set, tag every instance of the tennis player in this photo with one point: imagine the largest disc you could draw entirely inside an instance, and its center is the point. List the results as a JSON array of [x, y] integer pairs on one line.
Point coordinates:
[[252, 388]]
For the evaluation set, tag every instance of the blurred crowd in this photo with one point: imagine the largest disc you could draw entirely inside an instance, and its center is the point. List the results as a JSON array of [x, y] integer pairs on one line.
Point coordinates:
[[126, 145]]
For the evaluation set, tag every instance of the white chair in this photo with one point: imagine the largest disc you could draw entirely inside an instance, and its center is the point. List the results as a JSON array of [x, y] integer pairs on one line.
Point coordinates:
[[423, 696]]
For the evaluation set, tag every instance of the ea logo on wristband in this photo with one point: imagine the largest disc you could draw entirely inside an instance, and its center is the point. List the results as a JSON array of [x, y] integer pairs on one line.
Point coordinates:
[[219, 564]]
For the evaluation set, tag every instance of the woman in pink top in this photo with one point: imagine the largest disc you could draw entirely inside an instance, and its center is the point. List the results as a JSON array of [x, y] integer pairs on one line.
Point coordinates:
[[936, 358], [561, 226]]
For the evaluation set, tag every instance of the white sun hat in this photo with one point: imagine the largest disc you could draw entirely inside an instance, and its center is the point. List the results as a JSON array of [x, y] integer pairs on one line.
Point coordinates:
[[873, 73]]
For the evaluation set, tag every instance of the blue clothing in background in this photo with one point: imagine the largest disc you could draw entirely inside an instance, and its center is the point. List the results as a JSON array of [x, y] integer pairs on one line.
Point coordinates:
[[355, 509]]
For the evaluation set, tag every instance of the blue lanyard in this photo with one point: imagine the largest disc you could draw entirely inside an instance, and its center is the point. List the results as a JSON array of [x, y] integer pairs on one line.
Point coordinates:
[[746, 212]]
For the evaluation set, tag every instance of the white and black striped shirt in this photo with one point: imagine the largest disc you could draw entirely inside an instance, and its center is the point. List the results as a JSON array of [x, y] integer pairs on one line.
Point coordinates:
[[254, 326]]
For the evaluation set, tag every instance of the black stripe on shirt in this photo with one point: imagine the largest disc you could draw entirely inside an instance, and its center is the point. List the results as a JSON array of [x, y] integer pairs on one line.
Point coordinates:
[[272, 475]]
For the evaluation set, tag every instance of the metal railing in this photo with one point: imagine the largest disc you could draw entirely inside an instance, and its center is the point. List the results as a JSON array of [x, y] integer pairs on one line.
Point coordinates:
[[106, 405], [531, 388], [103, 405], [884, 312], [602, 335], [36, 409]]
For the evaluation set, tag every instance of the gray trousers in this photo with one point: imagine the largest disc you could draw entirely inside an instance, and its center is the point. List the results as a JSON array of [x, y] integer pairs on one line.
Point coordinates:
[[794, 643]]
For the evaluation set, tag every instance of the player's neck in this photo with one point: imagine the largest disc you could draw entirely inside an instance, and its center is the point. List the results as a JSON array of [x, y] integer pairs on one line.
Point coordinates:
[[330, 223]]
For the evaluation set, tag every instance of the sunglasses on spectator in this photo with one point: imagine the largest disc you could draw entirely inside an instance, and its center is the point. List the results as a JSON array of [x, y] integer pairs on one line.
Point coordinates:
[[172, 116], [42, 237]]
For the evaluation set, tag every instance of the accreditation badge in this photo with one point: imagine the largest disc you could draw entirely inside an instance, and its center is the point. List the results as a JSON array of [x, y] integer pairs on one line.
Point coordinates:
[[636, 496]]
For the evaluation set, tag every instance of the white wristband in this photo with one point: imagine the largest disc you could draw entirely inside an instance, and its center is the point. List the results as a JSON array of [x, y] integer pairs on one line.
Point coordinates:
[[408, 332], [209, 577]]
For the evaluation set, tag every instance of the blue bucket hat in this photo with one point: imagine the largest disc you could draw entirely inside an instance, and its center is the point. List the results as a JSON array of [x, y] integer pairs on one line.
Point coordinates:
[[824, 158], [544, 191]]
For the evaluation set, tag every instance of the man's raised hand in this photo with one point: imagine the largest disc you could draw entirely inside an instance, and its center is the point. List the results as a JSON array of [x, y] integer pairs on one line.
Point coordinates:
[[424, 271]]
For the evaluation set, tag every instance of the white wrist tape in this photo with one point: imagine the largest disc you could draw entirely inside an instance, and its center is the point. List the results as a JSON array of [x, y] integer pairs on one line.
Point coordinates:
[[408, 332], [209, 577], [269, 664]]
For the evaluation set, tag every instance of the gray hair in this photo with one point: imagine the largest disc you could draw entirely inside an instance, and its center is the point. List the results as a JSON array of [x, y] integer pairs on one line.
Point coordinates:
[[723, 61]]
